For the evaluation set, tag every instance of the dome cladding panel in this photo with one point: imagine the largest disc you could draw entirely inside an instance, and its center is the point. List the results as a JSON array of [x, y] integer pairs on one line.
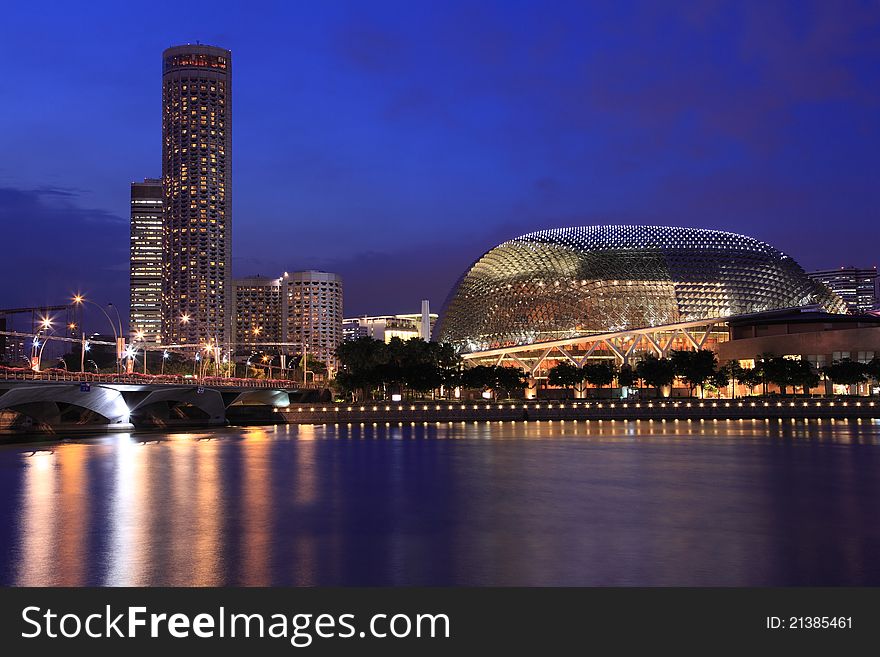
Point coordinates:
[[561, 283]]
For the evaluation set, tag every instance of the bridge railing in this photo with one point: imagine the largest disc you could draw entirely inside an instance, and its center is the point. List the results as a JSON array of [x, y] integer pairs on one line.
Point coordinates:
[[60, 375]]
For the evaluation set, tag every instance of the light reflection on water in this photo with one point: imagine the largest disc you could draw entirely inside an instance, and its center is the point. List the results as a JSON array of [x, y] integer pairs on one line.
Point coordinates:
[[747, 502]]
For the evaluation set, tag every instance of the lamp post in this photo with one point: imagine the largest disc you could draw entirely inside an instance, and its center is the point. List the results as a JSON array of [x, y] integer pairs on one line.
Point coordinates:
[[139, 336], [165, 356], [45, 324], [83, 348], [80, 299]]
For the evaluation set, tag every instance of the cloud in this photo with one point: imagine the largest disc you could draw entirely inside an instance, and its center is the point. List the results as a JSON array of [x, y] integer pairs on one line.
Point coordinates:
[[55, 246]]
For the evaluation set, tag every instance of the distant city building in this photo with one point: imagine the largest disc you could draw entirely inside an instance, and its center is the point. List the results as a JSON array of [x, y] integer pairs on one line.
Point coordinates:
[[145, 259], [856, 286], [197, 179], [257, 316], [312, 313], [385, 327]]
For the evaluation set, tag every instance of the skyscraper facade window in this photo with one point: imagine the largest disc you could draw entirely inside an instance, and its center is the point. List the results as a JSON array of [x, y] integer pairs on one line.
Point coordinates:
[[856, 286], [145, 260], [313, 313], [257, 316], [197, 176]]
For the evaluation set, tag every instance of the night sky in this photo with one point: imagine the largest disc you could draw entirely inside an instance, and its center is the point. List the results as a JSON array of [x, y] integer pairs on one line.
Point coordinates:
[[394, 142]]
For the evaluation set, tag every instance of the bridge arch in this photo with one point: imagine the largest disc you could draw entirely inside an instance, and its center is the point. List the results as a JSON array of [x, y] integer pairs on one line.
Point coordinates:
[[180, 406], [262, 397], [64, 405]]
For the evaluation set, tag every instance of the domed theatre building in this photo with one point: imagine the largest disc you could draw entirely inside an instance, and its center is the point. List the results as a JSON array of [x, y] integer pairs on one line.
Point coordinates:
[[619, 291]]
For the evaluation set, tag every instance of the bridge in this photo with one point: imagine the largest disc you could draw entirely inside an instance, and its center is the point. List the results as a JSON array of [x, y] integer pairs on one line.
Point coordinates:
[[55, 401]]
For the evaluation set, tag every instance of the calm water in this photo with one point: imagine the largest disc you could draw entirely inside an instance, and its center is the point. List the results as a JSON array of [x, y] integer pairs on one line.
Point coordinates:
[[549, 503]]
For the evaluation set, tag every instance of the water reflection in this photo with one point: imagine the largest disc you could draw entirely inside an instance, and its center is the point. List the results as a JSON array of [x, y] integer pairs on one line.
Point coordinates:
[[748, 502]]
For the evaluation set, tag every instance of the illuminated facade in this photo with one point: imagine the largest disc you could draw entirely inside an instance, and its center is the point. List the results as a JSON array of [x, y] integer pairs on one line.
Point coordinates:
[[313, 313], [145, 260], [854, 285], [385, 327], [197, 176], [554, 287], [257, 317]]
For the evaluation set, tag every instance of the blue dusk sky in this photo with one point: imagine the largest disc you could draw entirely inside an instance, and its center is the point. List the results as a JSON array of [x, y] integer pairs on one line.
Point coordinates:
[[395, 142]]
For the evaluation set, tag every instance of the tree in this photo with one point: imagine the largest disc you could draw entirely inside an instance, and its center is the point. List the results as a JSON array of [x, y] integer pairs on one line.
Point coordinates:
[[846, 372], [626, 376], [751, 377], [567, 375], [494, 377], [805, 375], [599, 374], [780, 370], [734, 372], [509, 379], [360, 361], [719, 379], [655, 372], [478, 377], [694, 367], [872, 368]]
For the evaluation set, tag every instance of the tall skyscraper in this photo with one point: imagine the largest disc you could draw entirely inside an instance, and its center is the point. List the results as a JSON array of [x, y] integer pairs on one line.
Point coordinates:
[[312, 310], [856, 286], [197, 177], [145, 260]]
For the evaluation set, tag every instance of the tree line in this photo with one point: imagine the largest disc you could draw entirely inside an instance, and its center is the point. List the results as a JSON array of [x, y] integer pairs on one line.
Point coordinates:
[[700, 369], [372, 368]]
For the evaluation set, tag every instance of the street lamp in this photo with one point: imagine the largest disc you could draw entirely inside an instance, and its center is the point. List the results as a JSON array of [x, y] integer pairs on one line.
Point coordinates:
[[139, 336], [45, 325], [165, 356], [85, 346], [79, 299]]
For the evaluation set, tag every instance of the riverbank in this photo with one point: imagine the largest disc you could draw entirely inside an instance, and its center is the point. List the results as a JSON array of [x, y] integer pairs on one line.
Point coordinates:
[[692, 409]]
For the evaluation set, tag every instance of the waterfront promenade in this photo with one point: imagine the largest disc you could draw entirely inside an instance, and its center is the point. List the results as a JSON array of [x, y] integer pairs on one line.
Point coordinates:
[[661, 409]]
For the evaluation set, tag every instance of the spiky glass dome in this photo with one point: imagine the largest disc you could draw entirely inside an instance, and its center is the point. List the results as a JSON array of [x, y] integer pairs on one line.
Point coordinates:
[[562, 283]]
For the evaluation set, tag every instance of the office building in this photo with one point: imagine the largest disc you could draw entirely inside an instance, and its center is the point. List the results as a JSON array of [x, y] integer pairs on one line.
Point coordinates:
[[312, 313], [856, 286], [197, 178], [145, 260], [257, 318]]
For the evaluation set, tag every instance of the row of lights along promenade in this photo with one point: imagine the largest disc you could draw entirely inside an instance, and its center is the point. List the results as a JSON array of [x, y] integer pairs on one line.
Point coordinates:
[[579, 410]]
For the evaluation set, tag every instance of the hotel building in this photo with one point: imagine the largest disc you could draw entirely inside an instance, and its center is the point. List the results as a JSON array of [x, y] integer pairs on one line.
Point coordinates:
[[312, 313], [197, 178], [257, 319]]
